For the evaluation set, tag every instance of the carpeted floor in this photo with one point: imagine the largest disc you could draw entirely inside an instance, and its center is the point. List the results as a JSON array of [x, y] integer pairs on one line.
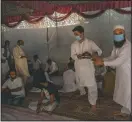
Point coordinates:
[[12, 113], [72, 106], [75, 106]]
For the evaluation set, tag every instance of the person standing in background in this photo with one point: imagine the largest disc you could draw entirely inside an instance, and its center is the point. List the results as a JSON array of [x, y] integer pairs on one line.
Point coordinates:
[[21, 61], [7, 54]]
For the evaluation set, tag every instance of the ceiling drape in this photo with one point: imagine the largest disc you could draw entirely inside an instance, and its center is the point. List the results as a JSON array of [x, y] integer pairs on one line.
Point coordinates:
[[42, 9]]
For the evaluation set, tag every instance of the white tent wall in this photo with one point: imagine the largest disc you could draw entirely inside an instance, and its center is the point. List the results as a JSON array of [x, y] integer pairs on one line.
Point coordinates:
[[98, 29]]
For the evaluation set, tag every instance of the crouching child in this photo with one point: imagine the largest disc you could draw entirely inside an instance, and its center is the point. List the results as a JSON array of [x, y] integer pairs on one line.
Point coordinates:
[[49, 98]]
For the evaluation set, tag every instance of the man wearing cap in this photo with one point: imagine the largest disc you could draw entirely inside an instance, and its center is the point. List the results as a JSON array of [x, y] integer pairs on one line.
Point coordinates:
[[21, 61], [120, 59]]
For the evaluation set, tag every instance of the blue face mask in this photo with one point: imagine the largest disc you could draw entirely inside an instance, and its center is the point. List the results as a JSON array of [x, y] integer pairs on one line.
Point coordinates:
[[78, 38], [119, 38]]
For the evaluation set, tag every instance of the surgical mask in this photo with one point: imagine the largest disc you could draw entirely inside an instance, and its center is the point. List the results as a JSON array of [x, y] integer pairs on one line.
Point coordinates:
[[78, 38], [119, 38]]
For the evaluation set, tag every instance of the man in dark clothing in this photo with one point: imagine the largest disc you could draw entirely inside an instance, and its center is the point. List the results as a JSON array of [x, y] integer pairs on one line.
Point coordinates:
[[7, 54]]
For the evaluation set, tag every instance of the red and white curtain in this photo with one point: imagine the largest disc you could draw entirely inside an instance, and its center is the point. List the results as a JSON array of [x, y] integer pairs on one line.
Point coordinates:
[[42, 9]]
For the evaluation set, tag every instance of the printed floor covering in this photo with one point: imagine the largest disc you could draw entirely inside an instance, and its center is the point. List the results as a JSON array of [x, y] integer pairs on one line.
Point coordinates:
[[72, 106]]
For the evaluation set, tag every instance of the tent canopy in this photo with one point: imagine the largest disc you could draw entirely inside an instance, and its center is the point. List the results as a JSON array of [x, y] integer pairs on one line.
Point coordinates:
[[99, 27]]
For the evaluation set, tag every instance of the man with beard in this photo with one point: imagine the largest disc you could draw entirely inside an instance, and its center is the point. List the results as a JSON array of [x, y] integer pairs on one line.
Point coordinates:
[[120, 59], [14, 86]]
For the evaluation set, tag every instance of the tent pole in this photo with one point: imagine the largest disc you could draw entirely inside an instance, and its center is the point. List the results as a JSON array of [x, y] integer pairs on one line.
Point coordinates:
[[57, 36], [48, 43]]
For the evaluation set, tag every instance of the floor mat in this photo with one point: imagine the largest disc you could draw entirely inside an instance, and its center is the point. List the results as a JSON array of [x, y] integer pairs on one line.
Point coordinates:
[[75, 106], [12, 113]]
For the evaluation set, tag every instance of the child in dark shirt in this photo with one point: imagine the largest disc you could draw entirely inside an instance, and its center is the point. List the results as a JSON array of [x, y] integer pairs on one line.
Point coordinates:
[[50, 92]]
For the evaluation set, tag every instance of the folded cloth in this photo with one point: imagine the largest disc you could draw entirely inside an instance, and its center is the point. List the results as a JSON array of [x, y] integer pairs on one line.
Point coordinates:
[[34, 89], [48, 107], [33, 105]]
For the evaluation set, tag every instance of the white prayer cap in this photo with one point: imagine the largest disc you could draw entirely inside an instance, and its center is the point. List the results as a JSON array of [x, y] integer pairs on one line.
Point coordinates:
[[119, 27]]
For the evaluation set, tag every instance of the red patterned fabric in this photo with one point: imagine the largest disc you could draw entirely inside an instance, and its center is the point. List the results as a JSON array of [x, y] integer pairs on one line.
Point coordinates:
[[90, 6], [42, 8]]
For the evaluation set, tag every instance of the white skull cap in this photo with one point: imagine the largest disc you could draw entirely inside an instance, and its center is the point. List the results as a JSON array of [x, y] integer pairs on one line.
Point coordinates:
[[119, 27]]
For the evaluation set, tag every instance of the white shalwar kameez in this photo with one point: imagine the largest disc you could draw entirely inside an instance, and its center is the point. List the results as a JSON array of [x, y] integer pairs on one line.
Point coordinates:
[[69, 81], [121, 59], [84, 68], [53, 67]]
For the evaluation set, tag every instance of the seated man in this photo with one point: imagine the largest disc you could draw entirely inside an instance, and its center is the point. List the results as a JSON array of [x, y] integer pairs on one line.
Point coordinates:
[[51, 68], [50, 92], [37, 71], [69, 79], [30, 66], [99, 75], [13, 85], [38, 74], [36, 63]]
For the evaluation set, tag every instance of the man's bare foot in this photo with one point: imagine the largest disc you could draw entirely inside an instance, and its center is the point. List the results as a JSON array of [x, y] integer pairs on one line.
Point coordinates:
[[93, 110]]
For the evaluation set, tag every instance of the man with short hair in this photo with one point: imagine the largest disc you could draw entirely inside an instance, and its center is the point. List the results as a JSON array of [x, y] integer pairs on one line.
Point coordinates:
[[69, 79], [50, 92], [51, 68], [14, 86], [21, 61], [37, 64], [120, 59], [81, 52], [38, 73]]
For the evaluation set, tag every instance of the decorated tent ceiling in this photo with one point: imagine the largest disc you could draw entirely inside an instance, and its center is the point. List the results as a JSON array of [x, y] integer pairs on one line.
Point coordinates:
[[11, 9], [34, 11]]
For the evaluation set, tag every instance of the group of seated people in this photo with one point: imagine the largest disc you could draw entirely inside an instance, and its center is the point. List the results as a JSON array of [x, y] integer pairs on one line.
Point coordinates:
[[39, 73], [13, 91]]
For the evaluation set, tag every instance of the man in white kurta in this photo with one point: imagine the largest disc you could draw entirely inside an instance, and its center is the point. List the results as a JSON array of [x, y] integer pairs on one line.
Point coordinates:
[[84, 68], [120, 59], [51, 67], [21, 61], [69, 79]]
